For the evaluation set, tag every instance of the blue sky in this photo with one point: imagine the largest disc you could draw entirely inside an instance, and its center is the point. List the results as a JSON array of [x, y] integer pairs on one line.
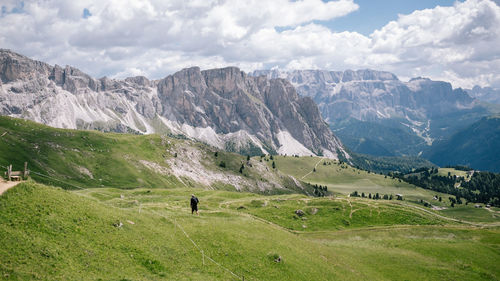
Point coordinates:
[[442, 39], [374, 14]]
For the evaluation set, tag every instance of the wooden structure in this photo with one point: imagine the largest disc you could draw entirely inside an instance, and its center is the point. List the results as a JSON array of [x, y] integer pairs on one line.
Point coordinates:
[[17, 175]]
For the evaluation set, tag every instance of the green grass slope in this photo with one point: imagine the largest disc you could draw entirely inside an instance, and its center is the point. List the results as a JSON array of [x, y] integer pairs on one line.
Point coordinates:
[[344, 179], [334, 214], [75, 158], [47, 233], [87, 158]]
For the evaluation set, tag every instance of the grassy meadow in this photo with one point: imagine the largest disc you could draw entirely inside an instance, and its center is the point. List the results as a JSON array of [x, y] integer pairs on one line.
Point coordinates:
[[343, 179], [138, 234], [451, 171]]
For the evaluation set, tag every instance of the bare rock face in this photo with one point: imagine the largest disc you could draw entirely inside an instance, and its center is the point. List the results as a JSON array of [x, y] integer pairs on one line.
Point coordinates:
[[139, 80], [57, 75], [229, 101], [17, 67], [376, 107], [222, 107], [369, 95]]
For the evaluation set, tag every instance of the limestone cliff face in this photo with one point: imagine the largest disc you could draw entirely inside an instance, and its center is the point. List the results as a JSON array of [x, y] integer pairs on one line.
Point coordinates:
[[369, 95], [352, 100], [223, 107], [229, 101]]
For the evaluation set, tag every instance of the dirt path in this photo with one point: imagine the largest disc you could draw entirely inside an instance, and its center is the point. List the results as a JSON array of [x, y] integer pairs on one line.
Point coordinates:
[[494, 214], [5, 185], [350, 204], [477, 224], [490, 210], [315, 166]]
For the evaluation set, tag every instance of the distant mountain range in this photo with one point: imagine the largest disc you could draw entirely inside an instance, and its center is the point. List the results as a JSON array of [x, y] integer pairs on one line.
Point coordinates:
[[476, 146], [486, 94], [373, 112], [225, 107]]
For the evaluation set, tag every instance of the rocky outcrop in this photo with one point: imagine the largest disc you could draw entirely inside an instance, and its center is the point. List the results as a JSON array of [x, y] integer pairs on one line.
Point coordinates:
[[222, 107], [15, 67]]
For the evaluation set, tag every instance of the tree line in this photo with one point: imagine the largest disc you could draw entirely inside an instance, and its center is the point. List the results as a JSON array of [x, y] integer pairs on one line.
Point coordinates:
[[481, 187]]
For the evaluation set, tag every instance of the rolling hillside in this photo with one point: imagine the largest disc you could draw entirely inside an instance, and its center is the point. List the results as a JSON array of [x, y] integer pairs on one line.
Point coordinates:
[[74, 159], [148, 234], [341, 178]]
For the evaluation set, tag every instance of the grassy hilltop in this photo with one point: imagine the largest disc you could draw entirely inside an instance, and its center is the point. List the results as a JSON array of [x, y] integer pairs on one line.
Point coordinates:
[[123, 215]]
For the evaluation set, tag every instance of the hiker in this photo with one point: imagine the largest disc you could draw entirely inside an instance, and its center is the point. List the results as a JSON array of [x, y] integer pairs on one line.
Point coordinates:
[[194, 204]]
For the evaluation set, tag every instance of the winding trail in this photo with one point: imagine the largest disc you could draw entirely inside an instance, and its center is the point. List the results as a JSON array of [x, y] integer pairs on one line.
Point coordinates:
[[315, 166], [352, 210], [452, 219]]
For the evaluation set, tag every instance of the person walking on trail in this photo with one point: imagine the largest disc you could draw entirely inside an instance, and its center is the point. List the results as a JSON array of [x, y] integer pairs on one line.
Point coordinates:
[[194, 204]]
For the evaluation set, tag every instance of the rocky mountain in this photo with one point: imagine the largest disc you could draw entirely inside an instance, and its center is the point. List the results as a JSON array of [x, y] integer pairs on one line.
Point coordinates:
[[486, 94], [374, 112], [476, 146], [224, 107]]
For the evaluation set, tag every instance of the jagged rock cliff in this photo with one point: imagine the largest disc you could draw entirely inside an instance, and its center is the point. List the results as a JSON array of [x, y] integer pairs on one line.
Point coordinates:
[[370, 109], [222, 107], [486, 94], [369, 95]]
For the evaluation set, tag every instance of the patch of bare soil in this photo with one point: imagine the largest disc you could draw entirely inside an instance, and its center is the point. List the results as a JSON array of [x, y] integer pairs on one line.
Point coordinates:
[[5, 185]]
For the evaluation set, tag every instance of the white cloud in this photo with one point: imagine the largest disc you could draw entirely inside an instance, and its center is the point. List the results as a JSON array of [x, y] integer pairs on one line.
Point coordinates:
[[157, 37], [445, 42]]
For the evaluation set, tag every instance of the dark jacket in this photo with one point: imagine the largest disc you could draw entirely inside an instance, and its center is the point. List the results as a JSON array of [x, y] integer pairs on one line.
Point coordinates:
[[194, 201]]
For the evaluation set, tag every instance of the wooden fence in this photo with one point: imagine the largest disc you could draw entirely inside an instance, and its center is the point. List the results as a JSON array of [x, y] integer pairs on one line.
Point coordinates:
[[17, 175]]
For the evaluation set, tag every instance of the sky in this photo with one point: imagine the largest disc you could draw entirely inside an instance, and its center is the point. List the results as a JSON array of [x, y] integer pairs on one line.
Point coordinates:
[[455, 41], [374, 14]]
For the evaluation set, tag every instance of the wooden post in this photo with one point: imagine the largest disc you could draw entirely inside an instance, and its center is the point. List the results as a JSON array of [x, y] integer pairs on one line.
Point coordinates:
[[9, 171], [25, 172]]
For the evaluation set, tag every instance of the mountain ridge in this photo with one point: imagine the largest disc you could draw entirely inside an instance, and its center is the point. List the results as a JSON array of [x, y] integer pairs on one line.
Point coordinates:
[[223, 107], [358, 104], [486, 94]]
